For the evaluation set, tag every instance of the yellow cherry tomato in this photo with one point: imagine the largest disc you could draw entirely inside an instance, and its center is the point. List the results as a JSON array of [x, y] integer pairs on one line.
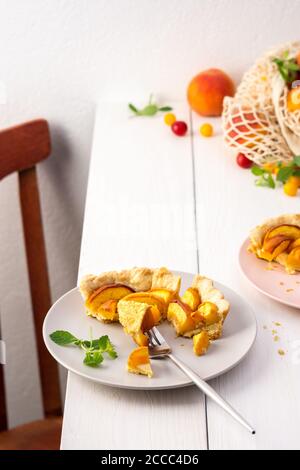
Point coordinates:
[[293, 99], [290, 188], [206, 130], [295, 180], [271, 167], [169, 119]]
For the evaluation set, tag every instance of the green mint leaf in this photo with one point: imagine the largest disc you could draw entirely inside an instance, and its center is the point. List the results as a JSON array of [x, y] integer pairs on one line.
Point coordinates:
[[63, 338], [102, 344], [296, 173], [94, 344], [93, 358], [292, 66], [271, 181], [165, 108], [297, 160], [257, 171], [133, 108], [266, 180], [105, 345], [287, 68], [149, 110], [284, 173]]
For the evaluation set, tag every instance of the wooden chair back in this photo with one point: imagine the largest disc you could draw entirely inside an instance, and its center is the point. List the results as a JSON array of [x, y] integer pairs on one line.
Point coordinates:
[[21, 148]]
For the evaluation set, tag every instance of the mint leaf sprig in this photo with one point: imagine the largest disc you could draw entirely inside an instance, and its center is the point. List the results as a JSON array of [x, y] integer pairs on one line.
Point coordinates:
[[149, 110], [292, 169], [93, 348], [287, 67], [266, 178]]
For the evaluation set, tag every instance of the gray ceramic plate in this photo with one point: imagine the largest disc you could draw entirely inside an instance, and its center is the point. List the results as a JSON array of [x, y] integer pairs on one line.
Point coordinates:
[[68, 313]]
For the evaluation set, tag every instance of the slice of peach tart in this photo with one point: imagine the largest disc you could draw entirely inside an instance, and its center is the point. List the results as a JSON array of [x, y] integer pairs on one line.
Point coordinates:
[[278, 240], [139, 361], [141, 298]]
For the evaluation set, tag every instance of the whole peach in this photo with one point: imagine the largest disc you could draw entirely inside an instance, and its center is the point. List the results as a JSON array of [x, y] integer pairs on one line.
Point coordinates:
[[206, 92]]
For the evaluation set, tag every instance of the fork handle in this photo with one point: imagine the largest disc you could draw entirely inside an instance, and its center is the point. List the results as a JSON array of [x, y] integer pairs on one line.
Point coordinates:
[[210, 392]]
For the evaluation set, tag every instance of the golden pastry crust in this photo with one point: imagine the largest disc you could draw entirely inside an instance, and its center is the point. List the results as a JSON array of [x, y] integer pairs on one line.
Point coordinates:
[[258, 233], [90, 283], [165, 279], [139, 279]]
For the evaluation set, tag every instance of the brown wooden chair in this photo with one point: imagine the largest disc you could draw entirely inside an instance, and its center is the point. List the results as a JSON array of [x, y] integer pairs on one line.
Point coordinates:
[[21, 148]]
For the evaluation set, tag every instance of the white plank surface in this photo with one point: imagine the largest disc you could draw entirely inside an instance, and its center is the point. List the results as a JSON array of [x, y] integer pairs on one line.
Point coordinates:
[[139, 211], [265, 387]]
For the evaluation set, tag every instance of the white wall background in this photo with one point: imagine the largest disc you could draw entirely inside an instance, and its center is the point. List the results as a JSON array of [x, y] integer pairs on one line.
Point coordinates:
[[57, 58]]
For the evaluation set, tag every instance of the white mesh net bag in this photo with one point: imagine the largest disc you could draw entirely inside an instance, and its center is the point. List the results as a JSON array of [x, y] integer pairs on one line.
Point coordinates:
[[254, 131], [250, 123], [290, 118]]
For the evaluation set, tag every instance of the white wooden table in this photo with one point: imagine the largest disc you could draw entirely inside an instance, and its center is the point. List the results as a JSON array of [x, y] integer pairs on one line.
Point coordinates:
[[155, 199]]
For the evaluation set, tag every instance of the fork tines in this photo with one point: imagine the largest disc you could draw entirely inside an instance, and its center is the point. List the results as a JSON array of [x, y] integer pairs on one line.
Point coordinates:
[[157, 344]]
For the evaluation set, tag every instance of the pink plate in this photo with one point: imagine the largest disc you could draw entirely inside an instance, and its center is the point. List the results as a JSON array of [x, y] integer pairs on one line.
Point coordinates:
[[270, 278]]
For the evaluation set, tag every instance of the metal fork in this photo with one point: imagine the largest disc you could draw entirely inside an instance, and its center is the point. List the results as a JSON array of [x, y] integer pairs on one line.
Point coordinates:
[[159, 348]]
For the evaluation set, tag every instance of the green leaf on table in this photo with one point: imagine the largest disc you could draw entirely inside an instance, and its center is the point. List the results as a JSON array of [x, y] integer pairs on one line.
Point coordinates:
[[257, 171], [133, 108], [149, 110], [165, 108], [266, 180], [284, 173], [63, 338]]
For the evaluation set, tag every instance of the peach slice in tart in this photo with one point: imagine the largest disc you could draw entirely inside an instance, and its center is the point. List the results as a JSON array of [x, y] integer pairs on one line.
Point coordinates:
[[208, 316], [213, 308], [180, 315], [102, 303], [201, 343], [278, 240], [191, 297]]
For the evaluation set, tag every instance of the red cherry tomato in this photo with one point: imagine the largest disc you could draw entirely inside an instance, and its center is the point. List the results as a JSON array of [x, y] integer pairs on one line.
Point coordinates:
[[179, 128], [243, 161]]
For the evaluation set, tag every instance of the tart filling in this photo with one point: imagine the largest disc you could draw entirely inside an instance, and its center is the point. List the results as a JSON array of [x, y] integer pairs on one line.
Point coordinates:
[[278, 240], [141, 298]]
